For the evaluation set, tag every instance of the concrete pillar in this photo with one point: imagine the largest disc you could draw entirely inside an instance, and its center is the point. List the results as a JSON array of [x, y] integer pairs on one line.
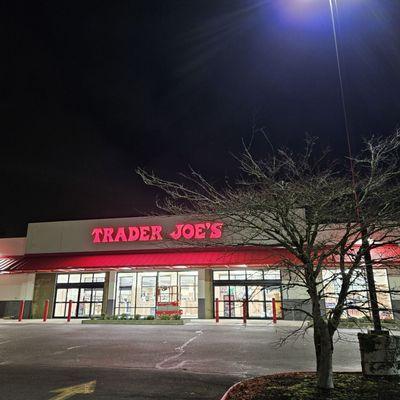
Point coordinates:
[[380, 354], [45, 284], [294, 298], [205, 290], [105, 293], [109, 297]]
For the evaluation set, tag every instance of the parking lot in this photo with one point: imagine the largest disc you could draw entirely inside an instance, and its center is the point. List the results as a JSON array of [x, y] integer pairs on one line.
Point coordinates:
[[198, 360]]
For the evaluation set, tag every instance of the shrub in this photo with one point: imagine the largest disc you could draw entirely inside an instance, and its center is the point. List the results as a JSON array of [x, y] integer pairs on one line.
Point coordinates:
[[176, 316], [165, 317], [149, 317], [137, 316]]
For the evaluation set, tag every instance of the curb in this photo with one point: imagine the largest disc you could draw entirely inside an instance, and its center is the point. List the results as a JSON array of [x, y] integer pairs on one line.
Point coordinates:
[[228, 392]]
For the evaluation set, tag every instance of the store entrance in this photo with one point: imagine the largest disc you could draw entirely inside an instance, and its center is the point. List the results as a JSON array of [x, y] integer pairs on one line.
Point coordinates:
[[256, 287], [84, 290]]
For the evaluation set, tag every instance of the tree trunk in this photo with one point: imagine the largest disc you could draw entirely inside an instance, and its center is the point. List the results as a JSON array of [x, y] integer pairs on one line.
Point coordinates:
[[324, 350], [371, 283], [323, 345]]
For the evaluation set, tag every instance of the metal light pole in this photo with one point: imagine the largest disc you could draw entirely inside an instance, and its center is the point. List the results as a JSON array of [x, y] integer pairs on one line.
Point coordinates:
[[364, 231]]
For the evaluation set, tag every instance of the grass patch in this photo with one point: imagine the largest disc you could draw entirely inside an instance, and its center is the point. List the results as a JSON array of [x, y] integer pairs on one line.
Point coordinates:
[[302, 386]]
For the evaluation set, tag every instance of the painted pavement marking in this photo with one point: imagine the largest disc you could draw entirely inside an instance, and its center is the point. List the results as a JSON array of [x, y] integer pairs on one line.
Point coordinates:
[[181, 351], [68, 392]]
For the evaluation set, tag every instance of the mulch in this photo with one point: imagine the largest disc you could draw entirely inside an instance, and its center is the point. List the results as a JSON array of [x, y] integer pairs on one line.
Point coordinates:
[[302, 386]]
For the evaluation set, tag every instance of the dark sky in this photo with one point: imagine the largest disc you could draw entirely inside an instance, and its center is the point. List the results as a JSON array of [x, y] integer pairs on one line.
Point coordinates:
[[92, 89]]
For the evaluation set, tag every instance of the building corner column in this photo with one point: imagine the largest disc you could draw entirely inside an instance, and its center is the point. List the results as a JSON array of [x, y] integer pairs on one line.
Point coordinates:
[[109, 294], [205, 294]]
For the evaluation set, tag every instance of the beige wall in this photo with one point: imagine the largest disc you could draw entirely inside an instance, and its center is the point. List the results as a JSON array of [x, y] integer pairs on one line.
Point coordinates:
[[75, 236], [16, 286], [12, 246]]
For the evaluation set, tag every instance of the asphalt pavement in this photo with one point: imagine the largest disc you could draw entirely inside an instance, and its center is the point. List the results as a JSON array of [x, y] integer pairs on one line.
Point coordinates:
[[193, 361]]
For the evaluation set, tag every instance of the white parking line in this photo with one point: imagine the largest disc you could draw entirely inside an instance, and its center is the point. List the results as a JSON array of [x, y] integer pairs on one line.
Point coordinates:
[[181, 350]]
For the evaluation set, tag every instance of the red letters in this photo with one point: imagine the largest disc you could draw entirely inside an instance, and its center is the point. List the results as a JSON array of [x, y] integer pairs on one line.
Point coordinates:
[[156, 232], [216, 230], [96, 232], [144, 233], [188, 231], [177, 233], [133, 234], [200, 231], [120, 235], [107, 237]]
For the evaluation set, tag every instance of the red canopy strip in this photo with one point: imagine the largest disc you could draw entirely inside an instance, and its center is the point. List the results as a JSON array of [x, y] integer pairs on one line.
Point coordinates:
[[271, 256], [193, 258]]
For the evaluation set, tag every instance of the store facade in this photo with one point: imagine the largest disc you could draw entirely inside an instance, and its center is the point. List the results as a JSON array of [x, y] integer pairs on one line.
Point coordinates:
[[131, 265]]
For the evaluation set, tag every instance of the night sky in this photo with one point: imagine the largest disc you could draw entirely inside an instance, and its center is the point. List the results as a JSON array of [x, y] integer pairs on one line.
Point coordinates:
[[93, 89]]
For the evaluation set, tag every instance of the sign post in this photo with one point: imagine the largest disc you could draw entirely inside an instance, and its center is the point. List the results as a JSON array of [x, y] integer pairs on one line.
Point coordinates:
[[46, 310], [21, 310], [69, 311], [274, 310], [217, 310]]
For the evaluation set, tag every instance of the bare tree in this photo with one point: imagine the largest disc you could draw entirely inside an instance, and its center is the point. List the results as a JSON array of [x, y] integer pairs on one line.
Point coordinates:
[[304, 203]]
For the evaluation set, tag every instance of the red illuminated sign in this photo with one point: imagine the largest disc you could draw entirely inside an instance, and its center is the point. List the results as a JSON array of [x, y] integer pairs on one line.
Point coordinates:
[[143, 233]]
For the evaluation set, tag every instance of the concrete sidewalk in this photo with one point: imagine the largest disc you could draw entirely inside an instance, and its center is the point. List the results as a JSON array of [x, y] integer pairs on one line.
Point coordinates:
[[250, 322], [208, 322], [39, 321]]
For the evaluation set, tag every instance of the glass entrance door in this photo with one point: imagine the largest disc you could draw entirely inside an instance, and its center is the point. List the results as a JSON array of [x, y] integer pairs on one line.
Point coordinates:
[[257, 287], [256, 302], [231, 300], [85, 291]]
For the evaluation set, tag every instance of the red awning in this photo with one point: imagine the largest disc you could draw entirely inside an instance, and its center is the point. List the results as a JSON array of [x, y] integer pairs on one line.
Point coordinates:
[[204, 258], [8, 262], [189, 258]]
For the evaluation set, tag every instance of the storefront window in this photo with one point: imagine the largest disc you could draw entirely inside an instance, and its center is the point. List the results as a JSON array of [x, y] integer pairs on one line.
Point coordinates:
[[146, 293], [137, 292], [220, 275], [358, 299], [383, 295], [272, 274], [237, 275], [188, 293], [255, 274], [62, 278], [247, 274]]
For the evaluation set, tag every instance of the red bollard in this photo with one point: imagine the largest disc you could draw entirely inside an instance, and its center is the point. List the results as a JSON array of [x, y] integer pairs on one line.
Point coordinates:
[[274, 311], [244, 312], [21, 310], [216, 310], [69, 311], [46, 310]]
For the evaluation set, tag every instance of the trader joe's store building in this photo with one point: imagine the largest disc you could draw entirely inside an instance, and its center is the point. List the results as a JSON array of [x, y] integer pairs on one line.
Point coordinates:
[[128, 265]]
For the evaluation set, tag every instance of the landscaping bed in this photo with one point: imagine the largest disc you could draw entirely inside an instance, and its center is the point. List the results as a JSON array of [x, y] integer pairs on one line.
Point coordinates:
[[369, 325], [134, 321], [302, 386]]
